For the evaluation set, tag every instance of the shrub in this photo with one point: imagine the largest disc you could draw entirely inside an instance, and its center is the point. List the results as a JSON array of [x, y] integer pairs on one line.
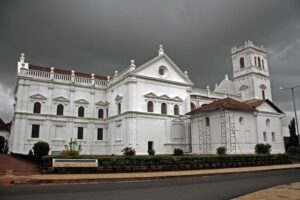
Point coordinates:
[[30, 153], [178, 152], [41, 149], [151, 152], [221, 151], [263, 148], [128, 151], [292, 150], [73, 149]]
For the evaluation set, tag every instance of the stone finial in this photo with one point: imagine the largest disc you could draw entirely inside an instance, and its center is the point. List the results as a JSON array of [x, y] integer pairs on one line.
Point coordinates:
[[207, 88], [72, 73], [132, 63], [116, 73], [108, 78], [186, 73], [22, 58], [246, 43], [160, 50], [52, 69], [92, 76], [226, 77]]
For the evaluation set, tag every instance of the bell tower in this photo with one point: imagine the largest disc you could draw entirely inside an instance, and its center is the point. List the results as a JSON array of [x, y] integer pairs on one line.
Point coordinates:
[[251, 72]]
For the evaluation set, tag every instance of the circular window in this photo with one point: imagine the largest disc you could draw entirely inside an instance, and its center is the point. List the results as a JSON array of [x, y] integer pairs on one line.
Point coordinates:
[[163, 72], [268, 122], [241, 120]]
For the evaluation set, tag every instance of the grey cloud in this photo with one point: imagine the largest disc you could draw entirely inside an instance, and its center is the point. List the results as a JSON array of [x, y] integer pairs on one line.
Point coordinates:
[[102, 36]]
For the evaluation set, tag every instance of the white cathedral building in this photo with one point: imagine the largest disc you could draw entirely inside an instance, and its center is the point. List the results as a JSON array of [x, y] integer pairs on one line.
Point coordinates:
[[151, 106]]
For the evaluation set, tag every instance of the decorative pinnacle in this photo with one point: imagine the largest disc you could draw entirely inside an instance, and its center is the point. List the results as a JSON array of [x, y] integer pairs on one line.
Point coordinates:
[[108, 78], [52, 69], [132, 63], [22, 58], [72, 73], [186, 73], [226, 77], [93, 76], [160, 50], [116, 73]]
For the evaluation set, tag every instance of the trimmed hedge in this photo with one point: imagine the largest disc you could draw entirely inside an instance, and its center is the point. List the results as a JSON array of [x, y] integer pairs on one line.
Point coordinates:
[[168, 162]]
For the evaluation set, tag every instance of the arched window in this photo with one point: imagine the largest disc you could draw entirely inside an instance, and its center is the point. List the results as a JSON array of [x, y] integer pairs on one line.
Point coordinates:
[[100, 113], [176, 110], [242, 63], [193, 106], [119, 108], [263, 94], [37, 107], [60, 109], [263, 63], [259, 64], [163, 108], [150, 106], [81, 111]]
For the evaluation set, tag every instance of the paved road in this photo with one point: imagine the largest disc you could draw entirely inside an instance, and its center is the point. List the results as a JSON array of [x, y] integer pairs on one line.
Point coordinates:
[[210, 187]]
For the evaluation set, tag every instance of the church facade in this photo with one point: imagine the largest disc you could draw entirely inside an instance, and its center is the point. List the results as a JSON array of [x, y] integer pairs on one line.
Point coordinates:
[[151, 106]]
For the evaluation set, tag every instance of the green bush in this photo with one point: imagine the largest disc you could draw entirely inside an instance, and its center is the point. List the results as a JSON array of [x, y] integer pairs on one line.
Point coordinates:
[[198, 161], [30, 153], [128, 151], [41, 149], [178, 152], [221, 151], [151, 152], [292, 150], [263, 148]]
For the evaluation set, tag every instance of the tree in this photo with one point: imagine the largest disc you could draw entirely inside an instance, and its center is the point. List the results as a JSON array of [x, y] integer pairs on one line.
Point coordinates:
[[41, 149], [293, 141]]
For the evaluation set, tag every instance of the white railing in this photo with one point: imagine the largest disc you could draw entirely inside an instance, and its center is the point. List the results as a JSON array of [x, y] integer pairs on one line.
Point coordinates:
[[63, 78]]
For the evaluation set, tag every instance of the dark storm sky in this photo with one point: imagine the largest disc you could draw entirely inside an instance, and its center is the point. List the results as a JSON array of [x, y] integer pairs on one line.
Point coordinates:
[[102, 36]]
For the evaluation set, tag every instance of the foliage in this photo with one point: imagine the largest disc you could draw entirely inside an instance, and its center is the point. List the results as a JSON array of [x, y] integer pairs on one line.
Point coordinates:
[[292, 150], [128, 151], [41, 149], [151, 152], [30, 153], [221, 150], [178, 152], [2, 144], [73, 149], [178, 162], [263, 148], [293, 141]]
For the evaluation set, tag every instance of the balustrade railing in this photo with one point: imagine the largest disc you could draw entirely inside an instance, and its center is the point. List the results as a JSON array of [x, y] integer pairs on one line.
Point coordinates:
[[57, 77]]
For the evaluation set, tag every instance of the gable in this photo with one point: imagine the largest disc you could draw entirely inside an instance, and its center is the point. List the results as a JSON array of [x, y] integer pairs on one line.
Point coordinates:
[[171, 72], [266, 107], [61, 98], [81, 101], [38, 96], [102, 103], [151, 95]]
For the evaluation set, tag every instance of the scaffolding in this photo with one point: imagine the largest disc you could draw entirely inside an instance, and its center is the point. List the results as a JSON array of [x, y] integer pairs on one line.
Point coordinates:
[[204, 137], [228, 136]]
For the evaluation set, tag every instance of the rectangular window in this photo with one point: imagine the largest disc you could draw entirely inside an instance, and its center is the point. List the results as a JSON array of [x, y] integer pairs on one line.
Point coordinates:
[[265, 136], [150, 145], [100, 134], [80, 133], [207, 122], [273, 137], [35, 131], [107, 112]]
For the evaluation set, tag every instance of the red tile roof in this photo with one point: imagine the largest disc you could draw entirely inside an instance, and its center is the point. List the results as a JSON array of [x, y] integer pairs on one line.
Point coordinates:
[[227, 103], [3, 126], [66, 72]]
